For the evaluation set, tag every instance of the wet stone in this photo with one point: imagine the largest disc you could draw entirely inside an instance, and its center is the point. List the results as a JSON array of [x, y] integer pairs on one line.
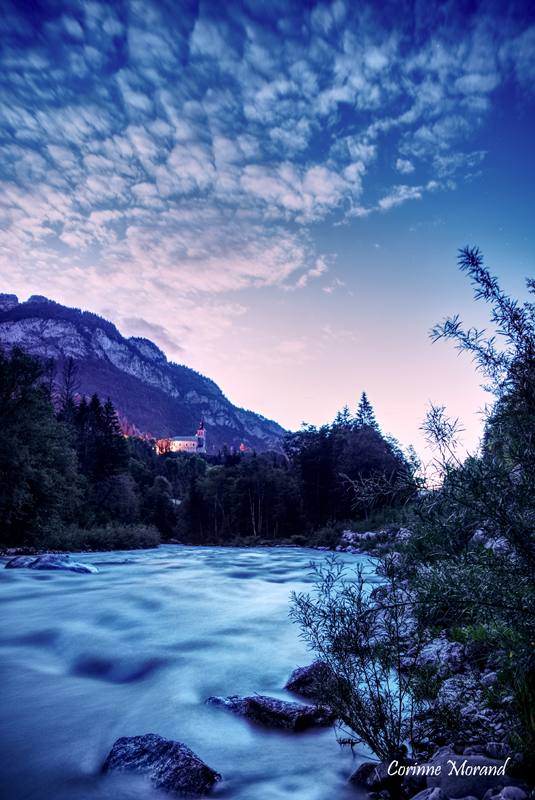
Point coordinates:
[[169, 765], [278, 713]]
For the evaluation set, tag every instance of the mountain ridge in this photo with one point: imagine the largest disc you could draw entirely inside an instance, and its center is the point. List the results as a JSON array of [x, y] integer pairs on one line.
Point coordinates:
[[156, 395]]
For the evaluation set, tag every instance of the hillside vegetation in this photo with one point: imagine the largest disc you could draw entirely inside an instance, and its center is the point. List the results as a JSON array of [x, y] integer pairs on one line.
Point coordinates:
[[69, 478]]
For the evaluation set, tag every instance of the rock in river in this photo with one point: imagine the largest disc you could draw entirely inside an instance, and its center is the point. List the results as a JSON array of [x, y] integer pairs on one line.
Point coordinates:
[[170, 765], [270, 711], [50, 561], [308, 680]]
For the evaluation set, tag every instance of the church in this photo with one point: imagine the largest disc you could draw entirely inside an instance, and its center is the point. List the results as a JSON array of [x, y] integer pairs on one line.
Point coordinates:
[[184, 444]]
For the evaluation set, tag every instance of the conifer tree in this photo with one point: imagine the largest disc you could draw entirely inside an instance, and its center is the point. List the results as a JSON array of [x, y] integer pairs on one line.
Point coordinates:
[[365, 416], [343, 419], [69, 387]]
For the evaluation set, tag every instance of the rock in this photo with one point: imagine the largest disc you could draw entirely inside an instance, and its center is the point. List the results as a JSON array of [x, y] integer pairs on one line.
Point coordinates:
[[478, 539], [461, 776], [506, 793], [448, 657], [170, 765], [412, 784], [361, 775], [382, 777], [50, 561], [499, 546], [20, 561], [305, 680], [270, 711], [430, 794], [403, 535], [459, 690], [490, 679], [441, 753], [497, 750], [469, 797]]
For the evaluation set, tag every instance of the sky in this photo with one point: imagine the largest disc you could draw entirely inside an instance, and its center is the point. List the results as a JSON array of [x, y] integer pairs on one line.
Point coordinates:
[[275, 192]]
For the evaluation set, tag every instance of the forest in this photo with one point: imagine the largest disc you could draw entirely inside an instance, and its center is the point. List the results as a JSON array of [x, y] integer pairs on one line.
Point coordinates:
[[70, 479]]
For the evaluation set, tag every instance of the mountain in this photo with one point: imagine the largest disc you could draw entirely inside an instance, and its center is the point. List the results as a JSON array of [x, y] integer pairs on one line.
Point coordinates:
[[154, 394]]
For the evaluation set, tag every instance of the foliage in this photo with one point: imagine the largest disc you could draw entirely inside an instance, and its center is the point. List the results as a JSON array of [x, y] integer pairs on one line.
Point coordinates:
[[112, 536], [365, 416], [76, 467], [325, 461], [486, 585], [364, 641], [481, 588], [39, 484]]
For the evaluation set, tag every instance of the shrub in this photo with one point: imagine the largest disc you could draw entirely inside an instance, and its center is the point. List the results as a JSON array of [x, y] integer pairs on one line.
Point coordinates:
[[106, 537], [365, 641]]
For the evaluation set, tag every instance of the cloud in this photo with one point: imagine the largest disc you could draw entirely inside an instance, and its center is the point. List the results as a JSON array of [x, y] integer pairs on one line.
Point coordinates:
[[404, 166], [454, 162], [399, 195], [194, 152], [337, 336], [156, 333], [520, 51]]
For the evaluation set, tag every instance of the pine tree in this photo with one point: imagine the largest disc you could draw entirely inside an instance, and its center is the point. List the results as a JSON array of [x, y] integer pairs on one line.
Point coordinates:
[[343, 419], [365, 416], [69, 387]]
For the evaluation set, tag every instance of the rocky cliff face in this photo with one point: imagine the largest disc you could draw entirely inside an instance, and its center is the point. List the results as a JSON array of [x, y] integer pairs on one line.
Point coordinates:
[[156, 395]]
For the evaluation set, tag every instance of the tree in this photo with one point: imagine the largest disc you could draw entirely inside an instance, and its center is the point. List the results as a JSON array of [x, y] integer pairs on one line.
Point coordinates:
[[69, 387], [39, 486], [365, 416]]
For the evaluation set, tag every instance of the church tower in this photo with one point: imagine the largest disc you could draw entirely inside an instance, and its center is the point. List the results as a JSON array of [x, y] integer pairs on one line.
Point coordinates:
[[201, 439]]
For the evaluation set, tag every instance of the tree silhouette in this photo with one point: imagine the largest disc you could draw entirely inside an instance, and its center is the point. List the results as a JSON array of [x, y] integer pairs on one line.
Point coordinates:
[[365, 415]]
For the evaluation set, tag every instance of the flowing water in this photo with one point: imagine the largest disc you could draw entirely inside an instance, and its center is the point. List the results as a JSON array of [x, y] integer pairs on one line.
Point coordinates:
[[136, 649]]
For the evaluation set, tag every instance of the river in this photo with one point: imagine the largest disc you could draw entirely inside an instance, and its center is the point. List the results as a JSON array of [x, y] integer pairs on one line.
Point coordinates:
[[136, 649]]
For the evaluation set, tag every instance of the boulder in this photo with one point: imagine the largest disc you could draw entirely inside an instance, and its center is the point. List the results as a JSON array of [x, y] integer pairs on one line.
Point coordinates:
[[386, 775], [479, 538], [305, 680], [361, 775], [506, 793], [270, 711], [498, 750], [20, 561], [448, 657], [169, 765], [50, 561], [490, 679], [430, 794], [463, 776], [499, 546]]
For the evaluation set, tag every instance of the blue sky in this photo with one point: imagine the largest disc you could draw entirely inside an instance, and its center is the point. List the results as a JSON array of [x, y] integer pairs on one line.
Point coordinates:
[[274, 192]]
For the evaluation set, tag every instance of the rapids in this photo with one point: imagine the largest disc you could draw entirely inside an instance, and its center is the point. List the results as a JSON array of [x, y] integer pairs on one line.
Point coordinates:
[[136, 649]]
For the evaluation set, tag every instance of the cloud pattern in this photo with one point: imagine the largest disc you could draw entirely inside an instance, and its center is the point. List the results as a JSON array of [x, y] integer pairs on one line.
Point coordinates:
[[162, 150]]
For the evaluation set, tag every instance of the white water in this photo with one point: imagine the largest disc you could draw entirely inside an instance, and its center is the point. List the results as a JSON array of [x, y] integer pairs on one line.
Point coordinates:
[[136, 649]]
